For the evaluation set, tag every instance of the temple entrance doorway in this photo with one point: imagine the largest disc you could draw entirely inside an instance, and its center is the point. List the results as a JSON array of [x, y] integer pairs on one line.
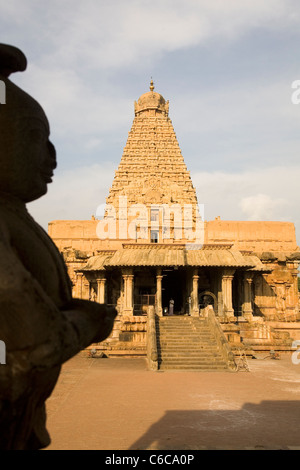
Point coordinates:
[[207, 298], [237, 294], [173, 287]]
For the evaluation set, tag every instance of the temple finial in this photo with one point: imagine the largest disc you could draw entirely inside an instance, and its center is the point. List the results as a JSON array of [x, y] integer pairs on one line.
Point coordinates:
[[151, 85]]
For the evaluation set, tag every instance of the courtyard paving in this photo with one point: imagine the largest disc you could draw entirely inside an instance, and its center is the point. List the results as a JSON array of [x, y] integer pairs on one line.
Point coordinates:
[[117, 404]]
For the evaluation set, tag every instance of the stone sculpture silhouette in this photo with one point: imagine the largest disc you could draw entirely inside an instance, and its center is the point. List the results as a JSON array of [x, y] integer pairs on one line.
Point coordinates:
[[41, 325]]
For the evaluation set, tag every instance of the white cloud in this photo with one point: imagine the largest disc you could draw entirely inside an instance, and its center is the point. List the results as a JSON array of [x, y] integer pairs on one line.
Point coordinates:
[[72, 106], [16, 10], [79, 51], [117, 33], [250, 105], [101, 34], [262, 207], [76, 194], [93, 143], [84, 44], [267, 194]]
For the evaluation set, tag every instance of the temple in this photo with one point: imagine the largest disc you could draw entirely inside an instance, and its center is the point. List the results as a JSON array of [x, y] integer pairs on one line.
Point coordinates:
[[152, 250]]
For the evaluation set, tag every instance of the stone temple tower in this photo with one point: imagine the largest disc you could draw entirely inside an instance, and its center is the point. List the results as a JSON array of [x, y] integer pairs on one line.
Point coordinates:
[[147, 250], [152, 173]]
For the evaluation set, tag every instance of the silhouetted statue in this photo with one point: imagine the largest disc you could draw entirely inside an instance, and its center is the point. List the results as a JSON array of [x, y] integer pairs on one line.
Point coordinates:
[[41, 325]]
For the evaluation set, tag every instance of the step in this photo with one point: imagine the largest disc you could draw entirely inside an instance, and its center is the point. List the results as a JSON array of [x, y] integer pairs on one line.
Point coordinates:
[[208, 365], [188, 353], [184, 330], [200, 357], [188, 344], [184, 333], [207, 352], [188, 347], [183, 325], [196, 368], [195, 339], [165, 342], [192, 362], [180, 324]]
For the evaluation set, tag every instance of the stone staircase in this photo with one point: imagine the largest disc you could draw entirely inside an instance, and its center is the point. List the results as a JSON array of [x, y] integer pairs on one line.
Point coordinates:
[[187, 343]]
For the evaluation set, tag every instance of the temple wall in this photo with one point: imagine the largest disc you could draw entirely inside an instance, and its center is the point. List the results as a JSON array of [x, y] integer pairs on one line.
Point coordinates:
[[80, 235], [128, 338], [245, 235], [275, 294], [252, 236]]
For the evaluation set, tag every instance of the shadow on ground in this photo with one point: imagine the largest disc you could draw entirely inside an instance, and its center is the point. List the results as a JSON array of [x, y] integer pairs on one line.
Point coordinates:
[[268, 425]]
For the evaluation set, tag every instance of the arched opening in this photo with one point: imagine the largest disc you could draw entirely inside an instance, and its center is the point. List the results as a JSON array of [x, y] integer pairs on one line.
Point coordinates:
[[207, 298]]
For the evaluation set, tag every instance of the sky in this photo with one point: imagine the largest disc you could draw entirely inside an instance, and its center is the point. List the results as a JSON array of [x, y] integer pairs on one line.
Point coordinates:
[[227, 67]]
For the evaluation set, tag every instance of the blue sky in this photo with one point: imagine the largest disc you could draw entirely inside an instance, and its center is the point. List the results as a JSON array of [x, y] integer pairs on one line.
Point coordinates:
[[226, 67]]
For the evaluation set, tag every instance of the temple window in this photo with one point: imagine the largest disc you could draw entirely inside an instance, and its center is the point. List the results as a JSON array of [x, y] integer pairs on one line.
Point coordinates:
[[154, 215], [154, 236]]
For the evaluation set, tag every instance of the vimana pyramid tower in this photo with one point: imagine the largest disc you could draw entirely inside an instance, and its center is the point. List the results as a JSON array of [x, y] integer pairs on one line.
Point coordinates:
[[152, 251], [152, 174], [152, 169]]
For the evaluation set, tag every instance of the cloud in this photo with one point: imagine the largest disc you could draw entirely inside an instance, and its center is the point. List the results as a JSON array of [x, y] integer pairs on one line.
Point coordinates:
[[71, 104], [102, 35], [268, 194], [78, 62], [76, 194], [86, 60], [262, 207]]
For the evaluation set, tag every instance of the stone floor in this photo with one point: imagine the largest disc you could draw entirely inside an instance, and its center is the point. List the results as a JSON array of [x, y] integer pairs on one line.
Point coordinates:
[[117, 404]]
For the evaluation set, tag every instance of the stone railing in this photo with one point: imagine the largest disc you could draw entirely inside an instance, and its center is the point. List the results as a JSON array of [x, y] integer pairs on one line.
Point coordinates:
[[152, 355], [222, 342]]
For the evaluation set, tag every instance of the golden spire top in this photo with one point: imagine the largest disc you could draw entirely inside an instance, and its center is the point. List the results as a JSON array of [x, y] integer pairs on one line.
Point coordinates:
[[151, 101]]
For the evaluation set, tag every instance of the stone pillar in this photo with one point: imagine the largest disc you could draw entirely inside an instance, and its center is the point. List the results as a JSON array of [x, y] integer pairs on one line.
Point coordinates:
[[79, 285], [220, 298], [125, 291], [82, 287], [159, 278], [128, 278], [227, 277], [101, 290], [294, 287], [215, 290], [195, 300], [247, 303], [280, 298], [86, 286], [131, 292]]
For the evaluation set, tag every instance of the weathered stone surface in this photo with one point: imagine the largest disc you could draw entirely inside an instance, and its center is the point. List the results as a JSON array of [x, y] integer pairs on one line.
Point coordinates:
[[41, 324]]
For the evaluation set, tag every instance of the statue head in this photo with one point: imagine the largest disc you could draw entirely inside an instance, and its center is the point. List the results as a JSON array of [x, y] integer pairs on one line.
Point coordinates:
[[27, 157]]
